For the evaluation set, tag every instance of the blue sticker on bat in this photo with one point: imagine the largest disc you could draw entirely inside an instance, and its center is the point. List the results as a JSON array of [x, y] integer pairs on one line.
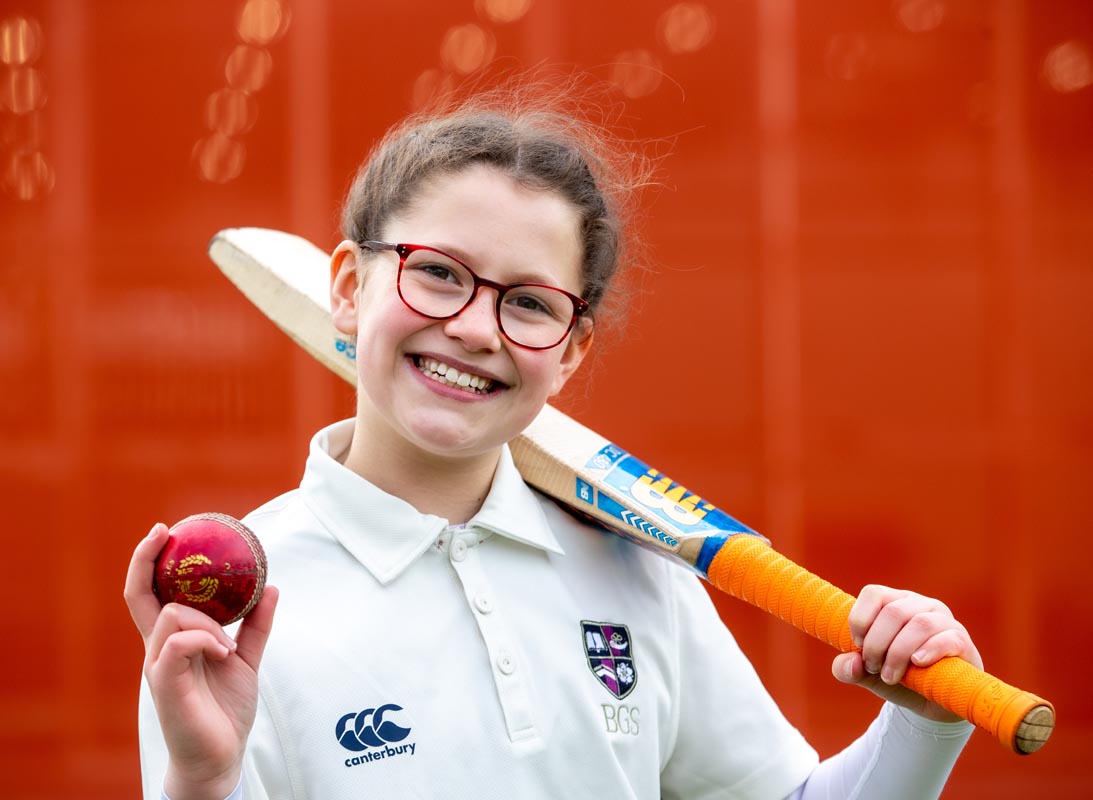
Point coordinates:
[[348, 347], [662, 497], [585, 491], [634, 521], [606, 458]]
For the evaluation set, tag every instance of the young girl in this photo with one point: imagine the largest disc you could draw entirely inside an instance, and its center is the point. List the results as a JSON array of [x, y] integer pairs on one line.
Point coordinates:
[[446, 632]]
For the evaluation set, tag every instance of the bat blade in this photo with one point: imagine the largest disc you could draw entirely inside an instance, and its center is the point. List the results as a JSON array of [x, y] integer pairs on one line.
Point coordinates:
[[287, 277]]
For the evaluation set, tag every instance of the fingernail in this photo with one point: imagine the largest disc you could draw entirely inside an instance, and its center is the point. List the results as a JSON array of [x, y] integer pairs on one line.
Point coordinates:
[[886, 676], [848, 670], [919, 656]]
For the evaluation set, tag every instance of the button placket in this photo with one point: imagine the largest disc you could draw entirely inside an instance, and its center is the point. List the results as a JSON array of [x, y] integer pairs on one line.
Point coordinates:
[[510, 681]]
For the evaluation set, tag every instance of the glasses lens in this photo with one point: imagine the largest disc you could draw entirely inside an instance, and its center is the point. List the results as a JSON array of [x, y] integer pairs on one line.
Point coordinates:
[[433, 284], [536, 316]]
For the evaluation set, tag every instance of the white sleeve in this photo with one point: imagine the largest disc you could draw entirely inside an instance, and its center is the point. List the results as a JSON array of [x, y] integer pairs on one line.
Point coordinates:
[[237, 792], [729, 739], [900, 757], [153, 750]]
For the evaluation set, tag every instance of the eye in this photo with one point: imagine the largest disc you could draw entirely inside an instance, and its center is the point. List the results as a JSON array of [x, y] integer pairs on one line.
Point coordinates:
[[528, 302], [440, 272]]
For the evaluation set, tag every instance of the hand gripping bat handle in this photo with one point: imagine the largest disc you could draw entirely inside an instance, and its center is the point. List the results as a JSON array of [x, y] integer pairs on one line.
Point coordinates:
[[747, 568]]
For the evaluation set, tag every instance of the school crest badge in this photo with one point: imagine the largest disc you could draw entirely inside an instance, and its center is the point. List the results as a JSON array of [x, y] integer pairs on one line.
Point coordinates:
[[610, 655]]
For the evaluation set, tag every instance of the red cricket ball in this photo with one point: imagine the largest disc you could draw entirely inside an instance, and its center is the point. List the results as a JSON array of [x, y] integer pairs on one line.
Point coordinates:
[[214, 563]]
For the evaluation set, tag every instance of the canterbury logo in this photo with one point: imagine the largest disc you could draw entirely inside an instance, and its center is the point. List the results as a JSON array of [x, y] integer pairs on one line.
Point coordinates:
[[375, 728]]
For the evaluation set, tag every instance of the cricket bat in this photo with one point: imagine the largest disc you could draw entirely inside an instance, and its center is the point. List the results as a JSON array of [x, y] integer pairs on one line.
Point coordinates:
[[287, 278]]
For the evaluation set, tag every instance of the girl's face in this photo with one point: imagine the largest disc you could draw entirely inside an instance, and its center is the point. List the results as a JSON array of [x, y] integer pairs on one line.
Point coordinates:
[[505, 232]]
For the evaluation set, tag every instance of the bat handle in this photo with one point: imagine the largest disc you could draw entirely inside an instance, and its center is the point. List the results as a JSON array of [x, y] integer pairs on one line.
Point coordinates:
[[747, 568]]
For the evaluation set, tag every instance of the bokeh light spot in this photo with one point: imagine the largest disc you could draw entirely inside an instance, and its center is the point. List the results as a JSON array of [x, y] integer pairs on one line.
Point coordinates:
[[848, 56], [636, 72], [230, 111], [27, 175], [218, 158], [502, 11], [20, 41], [431, 84], [466, 48], [22, 90], [919, 16], [262, 22], [686, 27], [248, 68], [1068, 67]]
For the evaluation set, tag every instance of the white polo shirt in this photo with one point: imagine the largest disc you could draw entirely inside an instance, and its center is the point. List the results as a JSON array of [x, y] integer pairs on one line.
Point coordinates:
[[523, 655]]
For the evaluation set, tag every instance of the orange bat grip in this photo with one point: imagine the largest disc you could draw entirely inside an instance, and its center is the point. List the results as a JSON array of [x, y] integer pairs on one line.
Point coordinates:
[[747, 568]]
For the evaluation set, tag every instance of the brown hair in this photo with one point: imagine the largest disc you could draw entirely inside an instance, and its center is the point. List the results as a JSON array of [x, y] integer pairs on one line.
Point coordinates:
[[543, 138]]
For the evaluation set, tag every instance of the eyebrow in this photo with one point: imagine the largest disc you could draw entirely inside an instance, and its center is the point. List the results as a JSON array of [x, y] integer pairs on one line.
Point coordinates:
[[521, 277]]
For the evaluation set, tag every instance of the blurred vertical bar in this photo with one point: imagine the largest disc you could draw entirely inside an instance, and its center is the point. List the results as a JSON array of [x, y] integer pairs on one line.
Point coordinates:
[[1009, 285], [70, 361], [780, 323], [311, 210]]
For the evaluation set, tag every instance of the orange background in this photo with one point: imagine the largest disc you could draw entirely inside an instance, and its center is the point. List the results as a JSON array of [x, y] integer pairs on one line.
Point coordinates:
[[868, 332]]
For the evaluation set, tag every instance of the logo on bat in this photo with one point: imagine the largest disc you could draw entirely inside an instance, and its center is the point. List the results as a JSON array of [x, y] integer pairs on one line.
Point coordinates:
[[609, 651]]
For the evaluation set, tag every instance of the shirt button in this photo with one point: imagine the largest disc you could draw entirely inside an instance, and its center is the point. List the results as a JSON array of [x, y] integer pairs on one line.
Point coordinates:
[[483, 603], [459, 550], [506, 663]]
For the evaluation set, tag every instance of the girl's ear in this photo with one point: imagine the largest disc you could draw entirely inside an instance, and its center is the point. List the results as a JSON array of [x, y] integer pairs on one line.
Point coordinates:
[[578, 346], [343, 288]]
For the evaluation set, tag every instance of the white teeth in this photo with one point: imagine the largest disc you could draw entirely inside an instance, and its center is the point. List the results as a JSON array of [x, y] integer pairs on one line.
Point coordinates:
[[450, 376]]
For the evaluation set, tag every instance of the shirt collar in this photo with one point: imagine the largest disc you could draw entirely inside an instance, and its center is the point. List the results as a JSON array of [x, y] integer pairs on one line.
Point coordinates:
[[385, 533]]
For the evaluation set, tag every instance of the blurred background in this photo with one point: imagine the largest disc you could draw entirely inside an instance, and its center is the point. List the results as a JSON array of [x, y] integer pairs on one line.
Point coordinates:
[[867, 331]]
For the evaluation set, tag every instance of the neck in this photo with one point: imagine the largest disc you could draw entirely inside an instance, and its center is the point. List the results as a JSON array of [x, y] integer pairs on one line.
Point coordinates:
[[451, 488]]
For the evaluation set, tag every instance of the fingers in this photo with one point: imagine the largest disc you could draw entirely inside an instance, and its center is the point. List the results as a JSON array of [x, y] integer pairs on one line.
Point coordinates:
[[254, 631], [954, 641], [894, 640], [143, 604], [871, 601], [174, 660], [896, 628], [203, 633]]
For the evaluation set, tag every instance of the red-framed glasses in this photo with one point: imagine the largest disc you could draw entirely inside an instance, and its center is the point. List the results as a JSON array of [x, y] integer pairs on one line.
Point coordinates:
[[440, 286]]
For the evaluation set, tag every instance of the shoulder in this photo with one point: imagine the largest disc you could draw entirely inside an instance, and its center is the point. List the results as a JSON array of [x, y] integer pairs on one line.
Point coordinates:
[[596, 554], [288, 529]]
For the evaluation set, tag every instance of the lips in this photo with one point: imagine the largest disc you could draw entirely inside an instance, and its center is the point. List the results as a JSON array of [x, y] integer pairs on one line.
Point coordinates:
[[445, 374]]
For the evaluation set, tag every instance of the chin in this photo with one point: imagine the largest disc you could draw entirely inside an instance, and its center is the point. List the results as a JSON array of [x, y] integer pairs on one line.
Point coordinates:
[[460, 442]]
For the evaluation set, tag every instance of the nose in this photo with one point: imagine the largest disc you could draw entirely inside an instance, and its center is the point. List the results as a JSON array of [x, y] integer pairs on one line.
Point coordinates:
[[476, 325]]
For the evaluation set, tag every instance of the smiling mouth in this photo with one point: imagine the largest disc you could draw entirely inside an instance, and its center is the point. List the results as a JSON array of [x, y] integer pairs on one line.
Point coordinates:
[[450, 376]]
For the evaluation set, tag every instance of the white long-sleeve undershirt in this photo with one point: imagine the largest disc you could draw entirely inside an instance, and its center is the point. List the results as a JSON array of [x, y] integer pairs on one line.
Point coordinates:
[[901, 756]]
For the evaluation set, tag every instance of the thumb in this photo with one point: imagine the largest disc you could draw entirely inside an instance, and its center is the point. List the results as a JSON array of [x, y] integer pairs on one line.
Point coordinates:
[[254, 631], [850, 668]]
